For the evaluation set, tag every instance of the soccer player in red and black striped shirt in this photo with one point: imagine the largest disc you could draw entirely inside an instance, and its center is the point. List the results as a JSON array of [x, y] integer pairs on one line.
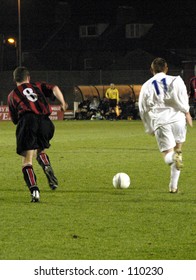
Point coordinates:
[[30, 109], [192, 86]]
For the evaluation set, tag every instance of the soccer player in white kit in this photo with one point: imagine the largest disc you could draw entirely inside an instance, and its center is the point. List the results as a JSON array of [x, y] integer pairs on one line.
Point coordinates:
[[164, 110]]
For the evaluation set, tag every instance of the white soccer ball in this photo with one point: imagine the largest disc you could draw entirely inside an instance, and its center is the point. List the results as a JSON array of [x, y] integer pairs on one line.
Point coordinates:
[[121, 181]]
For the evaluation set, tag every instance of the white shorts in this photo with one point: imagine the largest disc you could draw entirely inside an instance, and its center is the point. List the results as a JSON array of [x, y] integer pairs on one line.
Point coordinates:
[[168, 135]]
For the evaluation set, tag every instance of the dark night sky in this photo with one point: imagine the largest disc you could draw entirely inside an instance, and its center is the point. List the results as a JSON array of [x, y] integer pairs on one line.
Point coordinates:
[[37, 12], [37, 17]]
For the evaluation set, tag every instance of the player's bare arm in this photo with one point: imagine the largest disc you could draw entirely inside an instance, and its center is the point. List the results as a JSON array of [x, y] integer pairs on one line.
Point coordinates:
[[189, 119], [57, 92]]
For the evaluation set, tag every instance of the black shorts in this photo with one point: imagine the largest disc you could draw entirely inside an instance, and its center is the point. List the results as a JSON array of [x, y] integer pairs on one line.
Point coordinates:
[[33, 132], [112, 103]]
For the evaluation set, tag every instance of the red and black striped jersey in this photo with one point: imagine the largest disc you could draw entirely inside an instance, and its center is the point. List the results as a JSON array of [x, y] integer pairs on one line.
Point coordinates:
[[30, 97], [192, 84]]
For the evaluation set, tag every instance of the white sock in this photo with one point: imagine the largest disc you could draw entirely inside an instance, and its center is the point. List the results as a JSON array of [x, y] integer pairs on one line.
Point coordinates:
[[169, 158], [174, 176]]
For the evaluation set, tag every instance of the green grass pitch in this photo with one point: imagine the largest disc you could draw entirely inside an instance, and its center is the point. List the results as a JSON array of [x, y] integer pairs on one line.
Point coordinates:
[[87, 218]]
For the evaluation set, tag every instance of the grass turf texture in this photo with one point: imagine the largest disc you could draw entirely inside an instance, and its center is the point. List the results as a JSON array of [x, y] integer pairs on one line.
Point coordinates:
[[87, 218]]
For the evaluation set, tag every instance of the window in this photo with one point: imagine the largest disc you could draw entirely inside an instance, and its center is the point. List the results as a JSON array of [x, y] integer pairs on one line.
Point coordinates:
[[88, 31], [133, 30], [137, 30], [93, 30]]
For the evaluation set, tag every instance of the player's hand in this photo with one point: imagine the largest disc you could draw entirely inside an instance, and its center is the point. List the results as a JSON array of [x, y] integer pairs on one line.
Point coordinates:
[[189, 119], [64, 106]]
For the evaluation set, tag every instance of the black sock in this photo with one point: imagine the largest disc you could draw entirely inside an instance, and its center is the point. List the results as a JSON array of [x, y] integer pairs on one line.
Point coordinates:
[[29, 176], [43, 160], [34, 188]]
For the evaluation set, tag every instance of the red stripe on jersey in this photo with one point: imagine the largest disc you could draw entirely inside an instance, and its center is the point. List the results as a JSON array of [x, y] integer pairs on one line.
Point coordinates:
[[194, 88], [30, 97]]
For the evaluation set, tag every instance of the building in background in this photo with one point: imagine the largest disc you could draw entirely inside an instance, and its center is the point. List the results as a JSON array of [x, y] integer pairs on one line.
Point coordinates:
[[101, 35]]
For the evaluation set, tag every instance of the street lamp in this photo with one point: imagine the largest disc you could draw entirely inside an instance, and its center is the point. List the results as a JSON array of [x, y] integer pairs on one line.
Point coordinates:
[[19, 34], [13, 42]]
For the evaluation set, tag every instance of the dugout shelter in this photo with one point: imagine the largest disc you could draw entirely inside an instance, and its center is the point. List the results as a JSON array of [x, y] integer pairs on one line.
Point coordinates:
[[87, 92]]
